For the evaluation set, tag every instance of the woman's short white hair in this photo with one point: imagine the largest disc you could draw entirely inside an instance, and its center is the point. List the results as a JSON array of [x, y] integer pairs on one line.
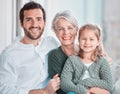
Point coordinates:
[[67, 15]]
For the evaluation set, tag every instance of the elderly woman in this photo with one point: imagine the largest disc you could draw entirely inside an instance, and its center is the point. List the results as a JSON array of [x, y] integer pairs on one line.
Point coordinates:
[[65, 26]]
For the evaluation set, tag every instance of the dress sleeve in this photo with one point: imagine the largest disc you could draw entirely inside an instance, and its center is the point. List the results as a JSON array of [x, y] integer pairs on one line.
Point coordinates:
[[8, 77], [66, 79]]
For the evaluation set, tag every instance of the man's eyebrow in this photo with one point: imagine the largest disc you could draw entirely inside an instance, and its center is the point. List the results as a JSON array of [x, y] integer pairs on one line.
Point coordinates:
[[28, 18], [39, 17]]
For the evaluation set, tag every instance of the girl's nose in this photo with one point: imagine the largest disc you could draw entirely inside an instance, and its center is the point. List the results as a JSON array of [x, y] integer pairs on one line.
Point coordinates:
[[87, 41]]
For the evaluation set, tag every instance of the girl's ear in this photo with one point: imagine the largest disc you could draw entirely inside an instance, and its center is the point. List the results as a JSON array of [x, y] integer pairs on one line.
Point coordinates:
[[98, 43], [101, 44]]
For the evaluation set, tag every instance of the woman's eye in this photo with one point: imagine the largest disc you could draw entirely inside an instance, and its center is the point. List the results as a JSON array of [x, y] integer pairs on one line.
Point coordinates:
[[59, 29], [70, 28]]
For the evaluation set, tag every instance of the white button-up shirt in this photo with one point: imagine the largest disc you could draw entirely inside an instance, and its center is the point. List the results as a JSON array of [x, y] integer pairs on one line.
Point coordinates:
[[23, 67]]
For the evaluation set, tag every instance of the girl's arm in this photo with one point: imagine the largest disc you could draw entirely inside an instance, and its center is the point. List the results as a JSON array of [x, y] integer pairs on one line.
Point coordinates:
[[67, 83], [97, 90], [105, 80]]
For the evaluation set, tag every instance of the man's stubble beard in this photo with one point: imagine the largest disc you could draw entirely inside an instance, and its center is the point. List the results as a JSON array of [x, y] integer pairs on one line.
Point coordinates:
[[29, 35]]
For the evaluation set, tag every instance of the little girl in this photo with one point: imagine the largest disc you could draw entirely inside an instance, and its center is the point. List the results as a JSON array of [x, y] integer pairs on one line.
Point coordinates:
[[89, 68]]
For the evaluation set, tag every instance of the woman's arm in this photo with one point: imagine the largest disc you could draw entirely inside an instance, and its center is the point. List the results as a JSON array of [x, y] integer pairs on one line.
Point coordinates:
[[54, 64]]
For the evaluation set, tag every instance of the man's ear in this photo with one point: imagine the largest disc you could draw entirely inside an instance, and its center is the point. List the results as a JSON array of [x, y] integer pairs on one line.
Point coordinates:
[[45, 23]]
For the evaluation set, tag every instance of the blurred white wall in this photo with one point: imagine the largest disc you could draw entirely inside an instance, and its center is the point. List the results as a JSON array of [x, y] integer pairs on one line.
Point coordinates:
[[84, 11], [7, 22], [97, 11], [104, 12]]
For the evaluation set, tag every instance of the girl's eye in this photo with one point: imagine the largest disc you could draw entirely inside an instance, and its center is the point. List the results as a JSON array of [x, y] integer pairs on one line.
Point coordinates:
[[91, 39], [83, 38]]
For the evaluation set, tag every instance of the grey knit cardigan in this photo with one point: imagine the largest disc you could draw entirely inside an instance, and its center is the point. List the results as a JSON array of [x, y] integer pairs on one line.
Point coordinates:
[[73, 71]]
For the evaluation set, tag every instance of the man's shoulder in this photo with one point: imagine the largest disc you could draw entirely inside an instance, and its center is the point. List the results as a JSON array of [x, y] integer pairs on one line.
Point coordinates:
[[50, 42], [7, 51], [10, 48], [51, 39]]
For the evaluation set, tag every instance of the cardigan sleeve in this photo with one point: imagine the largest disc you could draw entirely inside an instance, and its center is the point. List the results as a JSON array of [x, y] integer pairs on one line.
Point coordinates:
[[66, 79], [53, 64], [105, 80]]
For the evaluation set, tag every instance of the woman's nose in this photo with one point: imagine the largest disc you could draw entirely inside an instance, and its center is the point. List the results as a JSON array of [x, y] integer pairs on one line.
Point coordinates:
[[66, 31]]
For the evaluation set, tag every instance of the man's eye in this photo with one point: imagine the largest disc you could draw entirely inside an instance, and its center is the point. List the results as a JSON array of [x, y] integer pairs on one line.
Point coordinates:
[[39, 19], [28, 20]]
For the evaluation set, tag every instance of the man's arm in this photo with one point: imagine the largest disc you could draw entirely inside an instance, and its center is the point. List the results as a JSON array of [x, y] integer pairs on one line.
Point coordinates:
[[51, 88]]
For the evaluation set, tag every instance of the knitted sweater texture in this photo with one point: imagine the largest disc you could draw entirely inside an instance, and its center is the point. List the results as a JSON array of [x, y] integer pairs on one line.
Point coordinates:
[[73, 72], [56, 61]]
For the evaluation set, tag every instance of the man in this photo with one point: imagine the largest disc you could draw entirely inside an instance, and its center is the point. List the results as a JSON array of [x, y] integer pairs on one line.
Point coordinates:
[[23, 67]]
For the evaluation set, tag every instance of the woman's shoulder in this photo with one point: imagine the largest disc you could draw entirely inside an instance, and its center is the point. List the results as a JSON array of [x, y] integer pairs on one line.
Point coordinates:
[[54, 51]]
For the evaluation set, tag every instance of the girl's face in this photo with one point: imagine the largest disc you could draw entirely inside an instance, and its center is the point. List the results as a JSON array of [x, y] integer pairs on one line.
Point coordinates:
[[65, 32], [88, 41]]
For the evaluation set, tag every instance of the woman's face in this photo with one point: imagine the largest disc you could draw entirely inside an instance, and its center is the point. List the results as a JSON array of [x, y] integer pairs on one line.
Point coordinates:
[[65, 32]]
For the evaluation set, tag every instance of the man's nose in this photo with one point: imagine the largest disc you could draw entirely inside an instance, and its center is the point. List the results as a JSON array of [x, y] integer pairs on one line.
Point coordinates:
[[34, 23]]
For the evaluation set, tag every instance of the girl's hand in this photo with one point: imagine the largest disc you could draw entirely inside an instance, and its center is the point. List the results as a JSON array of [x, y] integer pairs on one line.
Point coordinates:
[[96, 90]]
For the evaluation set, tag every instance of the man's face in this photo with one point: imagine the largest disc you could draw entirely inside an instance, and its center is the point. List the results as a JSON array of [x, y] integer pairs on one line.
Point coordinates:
[[33, 23]]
